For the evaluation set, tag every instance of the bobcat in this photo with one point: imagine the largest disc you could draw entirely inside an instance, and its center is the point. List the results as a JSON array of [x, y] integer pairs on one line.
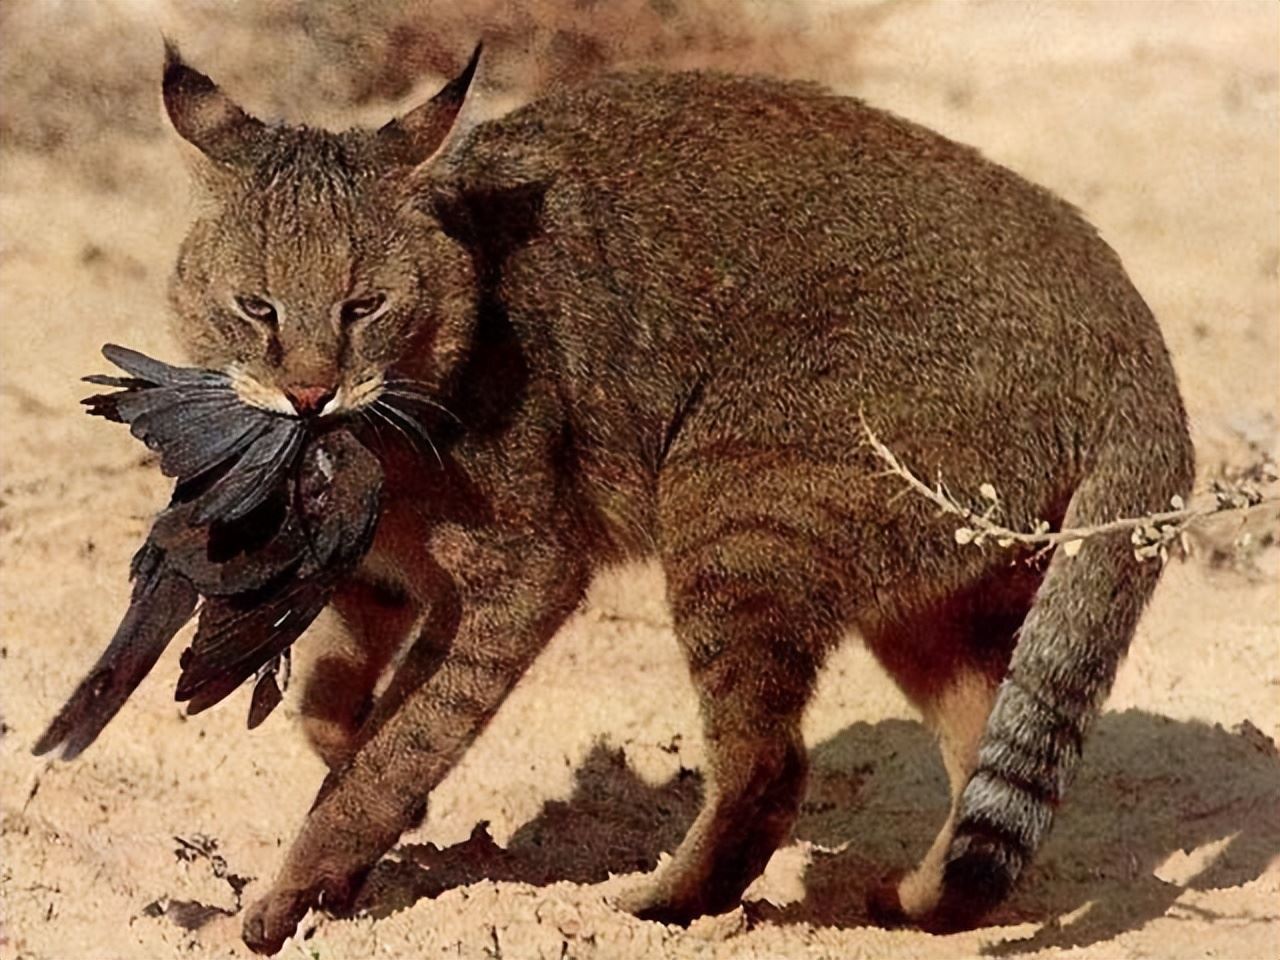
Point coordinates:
[[648, 317]]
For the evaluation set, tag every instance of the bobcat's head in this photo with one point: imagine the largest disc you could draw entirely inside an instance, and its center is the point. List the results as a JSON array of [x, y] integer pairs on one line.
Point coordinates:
[[315, 274]]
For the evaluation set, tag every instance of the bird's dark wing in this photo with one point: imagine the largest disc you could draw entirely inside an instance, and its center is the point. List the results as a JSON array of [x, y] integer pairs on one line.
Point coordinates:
[[124, 383], [266, 692], [332, 517], [238, 635], [148, 377], [252, 478], [230, 454], [194, 431], [142, 367], [162, 602], [232, 557], [321, 523]]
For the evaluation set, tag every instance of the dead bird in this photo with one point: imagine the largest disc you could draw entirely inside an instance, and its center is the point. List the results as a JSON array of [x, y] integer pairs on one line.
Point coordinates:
[[268, 515]]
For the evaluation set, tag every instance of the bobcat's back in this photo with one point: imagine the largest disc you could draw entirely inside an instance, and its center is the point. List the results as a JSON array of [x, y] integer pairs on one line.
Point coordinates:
[[693, 222]]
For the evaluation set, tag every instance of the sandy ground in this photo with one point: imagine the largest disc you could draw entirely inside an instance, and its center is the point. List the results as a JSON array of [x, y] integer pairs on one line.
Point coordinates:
[[1159, 120]]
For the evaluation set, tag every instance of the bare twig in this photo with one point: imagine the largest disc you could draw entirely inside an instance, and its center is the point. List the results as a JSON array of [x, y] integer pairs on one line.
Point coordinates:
[[1152, 533]]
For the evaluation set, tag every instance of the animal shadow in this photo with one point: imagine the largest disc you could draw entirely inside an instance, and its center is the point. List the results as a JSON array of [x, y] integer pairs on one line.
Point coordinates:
[[1150, 787], [613, 822]]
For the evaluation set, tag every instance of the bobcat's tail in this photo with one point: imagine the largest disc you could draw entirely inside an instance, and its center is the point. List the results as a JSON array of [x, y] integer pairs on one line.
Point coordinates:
[[1068, 651]]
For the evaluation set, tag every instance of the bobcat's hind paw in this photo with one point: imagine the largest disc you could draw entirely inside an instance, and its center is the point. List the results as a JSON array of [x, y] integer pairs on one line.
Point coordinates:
[[884, 905]]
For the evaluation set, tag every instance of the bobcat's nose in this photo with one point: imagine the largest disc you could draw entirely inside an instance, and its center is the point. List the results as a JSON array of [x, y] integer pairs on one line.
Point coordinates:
[[309, 400]]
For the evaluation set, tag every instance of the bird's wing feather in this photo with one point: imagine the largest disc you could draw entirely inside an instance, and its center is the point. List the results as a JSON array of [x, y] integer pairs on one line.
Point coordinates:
[[162, 602], [239, 635]]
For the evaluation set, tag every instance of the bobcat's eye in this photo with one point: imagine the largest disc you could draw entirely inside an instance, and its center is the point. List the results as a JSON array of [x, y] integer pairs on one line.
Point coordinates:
[[362, 308], [255, 308]]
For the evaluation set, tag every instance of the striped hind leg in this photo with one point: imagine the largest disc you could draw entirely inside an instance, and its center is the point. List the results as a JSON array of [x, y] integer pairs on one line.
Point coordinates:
[[959, 717], [949, 662], [753, 625]]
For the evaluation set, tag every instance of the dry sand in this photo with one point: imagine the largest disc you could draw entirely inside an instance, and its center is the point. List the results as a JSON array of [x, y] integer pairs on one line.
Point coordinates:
[[1160, 120]]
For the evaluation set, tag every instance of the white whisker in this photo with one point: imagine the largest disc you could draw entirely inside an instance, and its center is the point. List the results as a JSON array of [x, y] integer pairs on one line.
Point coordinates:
[[377, 410], [387, 409], [415, 397]]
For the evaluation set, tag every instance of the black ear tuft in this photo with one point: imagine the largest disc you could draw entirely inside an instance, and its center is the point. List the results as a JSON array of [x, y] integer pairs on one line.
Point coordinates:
[[455, 91]]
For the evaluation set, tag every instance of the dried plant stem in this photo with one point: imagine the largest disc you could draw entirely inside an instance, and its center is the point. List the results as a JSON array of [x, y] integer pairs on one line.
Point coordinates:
[[1151, 532]]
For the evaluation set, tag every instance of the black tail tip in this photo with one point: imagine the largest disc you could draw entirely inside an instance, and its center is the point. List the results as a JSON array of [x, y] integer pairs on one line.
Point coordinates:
[[980, 872]]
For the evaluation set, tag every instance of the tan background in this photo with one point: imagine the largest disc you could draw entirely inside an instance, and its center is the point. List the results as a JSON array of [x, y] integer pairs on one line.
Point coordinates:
[[1159, 119]]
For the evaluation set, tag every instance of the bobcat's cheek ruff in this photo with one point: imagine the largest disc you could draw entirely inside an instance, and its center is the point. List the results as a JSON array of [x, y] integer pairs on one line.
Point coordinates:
[[268, 515]]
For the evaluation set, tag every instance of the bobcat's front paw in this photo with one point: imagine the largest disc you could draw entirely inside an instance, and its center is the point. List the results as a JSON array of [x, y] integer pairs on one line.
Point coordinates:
[[273, 919]]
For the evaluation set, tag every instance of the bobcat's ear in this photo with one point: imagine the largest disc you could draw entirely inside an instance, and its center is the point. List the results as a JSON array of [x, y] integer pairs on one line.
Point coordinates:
[[422, 133], [203, 115]]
